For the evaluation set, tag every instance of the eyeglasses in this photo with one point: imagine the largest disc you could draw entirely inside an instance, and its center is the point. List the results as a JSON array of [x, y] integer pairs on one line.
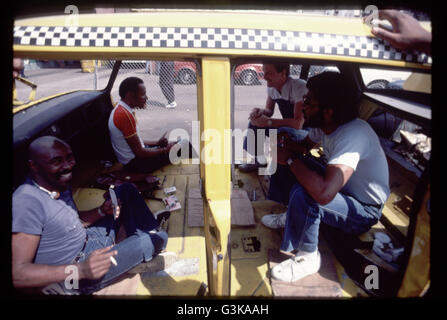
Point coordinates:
[[307, 101]]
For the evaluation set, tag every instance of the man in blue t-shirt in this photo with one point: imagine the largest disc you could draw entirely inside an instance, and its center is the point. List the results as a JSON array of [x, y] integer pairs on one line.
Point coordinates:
[[49, 234], [348, 193]]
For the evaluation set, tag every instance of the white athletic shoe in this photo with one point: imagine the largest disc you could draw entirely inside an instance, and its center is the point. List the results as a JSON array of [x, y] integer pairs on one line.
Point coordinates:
[[274, 221], [298, 267], [171, 105]]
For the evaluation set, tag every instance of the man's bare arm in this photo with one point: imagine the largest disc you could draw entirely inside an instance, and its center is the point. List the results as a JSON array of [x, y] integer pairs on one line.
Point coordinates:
[[269, 107], [140, 152], [295, 147], [322, 189], [27, 274], [24, 272]]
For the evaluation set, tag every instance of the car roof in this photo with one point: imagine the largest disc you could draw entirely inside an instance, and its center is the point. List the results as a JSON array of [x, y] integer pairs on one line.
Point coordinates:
[[191, 33]]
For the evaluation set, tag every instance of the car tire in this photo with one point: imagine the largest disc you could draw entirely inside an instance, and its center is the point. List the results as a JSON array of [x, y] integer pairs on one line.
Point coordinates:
[[248, 78], [186, 76], [377, 84]]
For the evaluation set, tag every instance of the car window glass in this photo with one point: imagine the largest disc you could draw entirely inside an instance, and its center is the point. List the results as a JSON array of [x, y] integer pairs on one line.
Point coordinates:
[[250, 91], [315, 69], [396, 79], [58, 76], [171, 92]]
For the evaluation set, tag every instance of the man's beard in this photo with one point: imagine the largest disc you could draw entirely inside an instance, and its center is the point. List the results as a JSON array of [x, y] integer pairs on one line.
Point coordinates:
[[316, 120]]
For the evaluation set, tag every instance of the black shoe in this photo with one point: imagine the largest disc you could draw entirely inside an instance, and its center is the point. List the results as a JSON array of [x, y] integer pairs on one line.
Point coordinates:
[[251, 167]]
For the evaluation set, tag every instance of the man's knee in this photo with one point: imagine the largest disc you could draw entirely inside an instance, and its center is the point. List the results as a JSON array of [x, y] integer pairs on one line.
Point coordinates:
[[143, 245], [300, 199], [127, 189], [159, 241]]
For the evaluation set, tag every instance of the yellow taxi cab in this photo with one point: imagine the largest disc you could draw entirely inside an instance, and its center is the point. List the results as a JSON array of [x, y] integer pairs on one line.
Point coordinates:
[[218, 257]]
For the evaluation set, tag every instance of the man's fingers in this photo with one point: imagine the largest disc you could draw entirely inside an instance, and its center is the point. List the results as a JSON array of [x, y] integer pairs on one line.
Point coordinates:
[[103, 250], [386, 35], [391, 15]]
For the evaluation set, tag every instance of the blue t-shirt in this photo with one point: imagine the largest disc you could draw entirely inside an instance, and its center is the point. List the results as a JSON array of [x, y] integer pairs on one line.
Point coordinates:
[[56, 221]]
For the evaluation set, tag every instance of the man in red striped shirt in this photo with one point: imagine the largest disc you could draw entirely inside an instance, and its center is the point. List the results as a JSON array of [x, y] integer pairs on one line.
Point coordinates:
[[130, 149]]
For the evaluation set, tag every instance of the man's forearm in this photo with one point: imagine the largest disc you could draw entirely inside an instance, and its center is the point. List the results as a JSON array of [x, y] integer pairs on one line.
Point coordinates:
[[311, 181], [38, 275], [151, 143], [267, 112], [289, 122], [89, 217], [152, 152]]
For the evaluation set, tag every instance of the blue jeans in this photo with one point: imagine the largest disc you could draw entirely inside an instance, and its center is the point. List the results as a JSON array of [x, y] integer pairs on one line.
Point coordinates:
[[304, 214], [139, 246]]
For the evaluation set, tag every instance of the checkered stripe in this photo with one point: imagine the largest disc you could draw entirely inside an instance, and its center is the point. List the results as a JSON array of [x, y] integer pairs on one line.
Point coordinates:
[[214, 38]]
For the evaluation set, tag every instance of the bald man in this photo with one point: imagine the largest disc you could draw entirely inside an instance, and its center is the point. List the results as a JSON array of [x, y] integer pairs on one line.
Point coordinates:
[[17, 67], [54, 243]]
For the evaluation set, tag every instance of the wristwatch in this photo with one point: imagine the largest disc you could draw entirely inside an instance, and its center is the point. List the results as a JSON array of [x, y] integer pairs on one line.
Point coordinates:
[[269, 122]]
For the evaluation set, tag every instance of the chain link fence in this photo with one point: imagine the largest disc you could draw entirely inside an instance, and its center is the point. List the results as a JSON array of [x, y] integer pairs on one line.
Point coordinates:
[[169, 84]]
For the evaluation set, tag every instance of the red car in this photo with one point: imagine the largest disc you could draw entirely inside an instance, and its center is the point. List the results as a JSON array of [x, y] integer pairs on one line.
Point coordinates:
[[184, 72], [248, 74], [245, 74]]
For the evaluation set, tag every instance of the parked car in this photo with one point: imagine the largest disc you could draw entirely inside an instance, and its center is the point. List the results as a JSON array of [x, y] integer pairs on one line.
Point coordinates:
[[248, 74], [184, 72], [380, 78], [245, 74]]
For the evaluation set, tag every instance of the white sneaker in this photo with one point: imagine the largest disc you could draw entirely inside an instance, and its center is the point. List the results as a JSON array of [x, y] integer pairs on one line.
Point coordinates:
[[298, 267], [171, 105], [274, 221]]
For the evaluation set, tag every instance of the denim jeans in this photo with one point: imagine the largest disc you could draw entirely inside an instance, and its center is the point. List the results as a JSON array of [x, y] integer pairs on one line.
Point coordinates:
[[304, 214], [139, 245]]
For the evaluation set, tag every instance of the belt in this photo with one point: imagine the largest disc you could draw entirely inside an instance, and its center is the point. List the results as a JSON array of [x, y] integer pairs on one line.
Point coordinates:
[[81, 253]]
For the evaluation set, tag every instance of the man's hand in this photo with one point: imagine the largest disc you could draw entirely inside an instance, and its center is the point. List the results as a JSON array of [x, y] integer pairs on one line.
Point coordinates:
[[284, 141], [107, 207], [97, 264], [163, 142], [255, 113], [283, 149], [407, 32], [261, 121]]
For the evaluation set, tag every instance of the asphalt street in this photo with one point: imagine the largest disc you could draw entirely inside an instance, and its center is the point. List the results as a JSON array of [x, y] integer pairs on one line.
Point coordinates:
[[155, 119]]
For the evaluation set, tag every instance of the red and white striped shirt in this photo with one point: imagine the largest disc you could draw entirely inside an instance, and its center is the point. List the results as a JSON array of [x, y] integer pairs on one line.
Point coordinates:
[[123, 125]]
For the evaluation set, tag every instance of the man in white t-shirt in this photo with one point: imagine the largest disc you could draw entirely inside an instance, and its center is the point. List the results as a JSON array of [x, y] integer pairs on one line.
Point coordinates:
[[288, 94], [348, 194]]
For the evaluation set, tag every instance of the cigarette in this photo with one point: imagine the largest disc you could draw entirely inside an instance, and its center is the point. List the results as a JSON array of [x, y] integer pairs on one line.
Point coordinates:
[[113, 261]]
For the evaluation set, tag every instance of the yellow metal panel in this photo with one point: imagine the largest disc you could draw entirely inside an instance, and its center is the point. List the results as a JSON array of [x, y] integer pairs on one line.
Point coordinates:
[[213, 81], [215, 118], [279, 23], [417, 276], [217, 19]]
